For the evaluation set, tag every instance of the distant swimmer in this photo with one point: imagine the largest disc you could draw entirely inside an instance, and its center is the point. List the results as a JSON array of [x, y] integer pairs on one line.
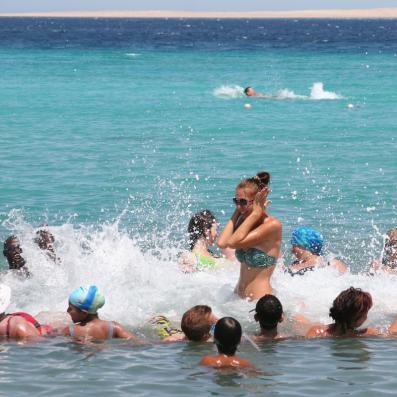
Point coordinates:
[[84, 303], [250, 91], [12, 251]]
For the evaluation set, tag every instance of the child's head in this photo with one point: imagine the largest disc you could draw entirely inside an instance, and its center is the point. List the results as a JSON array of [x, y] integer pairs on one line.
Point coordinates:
[[227, 335], [197, 322], [268, 312], [200, 226], [83, 302]]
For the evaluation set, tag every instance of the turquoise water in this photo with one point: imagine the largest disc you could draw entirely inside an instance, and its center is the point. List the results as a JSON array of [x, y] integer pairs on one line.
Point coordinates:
[[115, 138]]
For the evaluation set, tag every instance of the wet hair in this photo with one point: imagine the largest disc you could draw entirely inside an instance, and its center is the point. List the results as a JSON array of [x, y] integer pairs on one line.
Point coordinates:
[[195, 323], [256, 183], [227, 335], [246, 89], [349, 306], [199, 224], [390, 249], [268, 311]]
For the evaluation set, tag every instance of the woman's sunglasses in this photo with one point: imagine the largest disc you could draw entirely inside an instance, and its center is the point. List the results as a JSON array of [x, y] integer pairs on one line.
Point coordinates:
[[243, 202]]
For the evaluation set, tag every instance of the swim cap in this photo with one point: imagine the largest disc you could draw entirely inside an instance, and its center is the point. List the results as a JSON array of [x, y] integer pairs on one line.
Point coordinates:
[[308, 238], [87, 298]]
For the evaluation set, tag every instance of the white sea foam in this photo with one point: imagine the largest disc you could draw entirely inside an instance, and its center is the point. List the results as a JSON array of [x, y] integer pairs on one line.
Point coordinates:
[[139, 283], [132, 54], [288, 94], [229, 91], [317, 92]]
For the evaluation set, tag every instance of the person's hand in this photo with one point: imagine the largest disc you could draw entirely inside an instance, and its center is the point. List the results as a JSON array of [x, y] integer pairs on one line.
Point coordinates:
[[261, 201]]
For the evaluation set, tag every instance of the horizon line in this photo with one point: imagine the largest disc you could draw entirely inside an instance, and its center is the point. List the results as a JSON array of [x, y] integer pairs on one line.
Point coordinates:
[[363, 13]]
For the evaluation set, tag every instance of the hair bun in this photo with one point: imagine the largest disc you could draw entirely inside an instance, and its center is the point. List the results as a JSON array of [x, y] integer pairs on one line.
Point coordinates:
[[264, 178]]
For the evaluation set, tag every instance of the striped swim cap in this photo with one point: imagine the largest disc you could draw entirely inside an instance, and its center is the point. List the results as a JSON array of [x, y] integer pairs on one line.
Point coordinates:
[[88, 299]]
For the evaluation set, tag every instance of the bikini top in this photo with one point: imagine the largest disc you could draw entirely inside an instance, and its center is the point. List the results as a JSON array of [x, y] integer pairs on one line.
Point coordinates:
[[302, 271], [299, 272], [205, 261], [43, 329], [255, 257]]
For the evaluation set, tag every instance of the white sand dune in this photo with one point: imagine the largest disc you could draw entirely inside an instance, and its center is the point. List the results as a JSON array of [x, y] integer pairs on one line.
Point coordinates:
[[337, 13]]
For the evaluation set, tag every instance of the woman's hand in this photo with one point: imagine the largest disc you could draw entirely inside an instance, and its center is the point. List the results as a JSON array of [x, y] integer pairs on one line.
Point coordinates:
[[261, 201]]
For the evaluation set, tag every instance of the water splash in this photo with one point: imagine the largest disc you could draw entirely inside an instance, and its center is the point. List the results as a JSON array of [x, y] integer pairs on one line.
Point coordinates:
[[139, 283], [317, 92], [229, 92]]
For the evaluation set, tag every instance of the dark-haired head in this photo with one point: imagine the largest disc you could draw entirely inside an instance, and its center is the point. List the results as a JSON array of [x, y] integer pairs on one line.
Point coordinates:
[[255, 184], [250, 91], [350, 308], [268, 312], [12, 251], [227, 335], [199, 226]]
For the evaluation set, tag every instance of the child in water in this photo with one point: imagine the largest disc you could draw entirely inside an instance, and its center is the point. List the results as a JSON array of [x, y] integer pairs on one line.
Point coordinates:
[[84, 303], [388, 263], [307, 247], [349, 311], [202, 230], [268, 313], [227, 337], [196, 325]]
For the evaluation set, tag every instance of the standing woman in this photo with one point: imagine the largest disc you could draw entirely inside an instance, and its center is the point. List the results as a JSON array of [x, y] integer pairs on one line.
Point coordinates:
[[256, 236]]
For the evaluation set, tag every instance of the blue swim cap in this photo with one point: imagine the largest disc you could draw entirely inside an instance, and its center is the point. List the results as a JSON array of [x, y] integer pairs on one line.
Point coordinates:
[[308, 238], [87, 298]]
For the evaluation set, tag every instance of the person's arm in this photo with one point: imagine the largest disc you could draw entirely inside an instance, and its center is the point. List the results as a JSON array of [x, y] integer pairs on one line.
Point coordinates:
[[244, 236], [256, 236], [179, 337], [373, 332], [339, 265], [120, 332], [229, 254], [316, 331], [227, 232], [393, 327]]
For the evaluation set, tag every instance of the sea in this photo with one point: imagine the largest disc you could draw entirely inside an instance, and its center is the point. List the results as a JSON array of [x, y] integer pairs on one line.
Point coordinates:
[[114, 132]]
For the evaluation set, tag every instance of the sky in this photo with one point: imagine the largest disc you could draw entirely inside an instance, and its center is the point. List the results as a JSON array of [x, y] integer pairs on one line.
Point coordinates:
[[187, 5]]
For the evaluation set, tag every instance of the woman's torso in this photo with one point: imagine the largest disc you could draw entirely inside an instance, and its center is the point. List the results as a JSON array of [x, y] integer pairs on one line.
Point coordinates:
[[258, 263]]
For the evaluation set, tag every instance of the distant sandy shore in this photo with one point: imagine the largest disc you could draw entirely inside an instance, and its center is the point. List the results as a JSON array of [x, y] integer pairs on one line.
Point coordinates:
[[354, 13]]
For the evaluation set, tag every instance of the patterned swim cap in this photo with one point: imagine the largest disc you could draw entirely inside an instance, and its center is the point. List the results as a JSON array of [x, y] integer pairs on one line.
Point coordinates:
[[87, 298], [308, 238]]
